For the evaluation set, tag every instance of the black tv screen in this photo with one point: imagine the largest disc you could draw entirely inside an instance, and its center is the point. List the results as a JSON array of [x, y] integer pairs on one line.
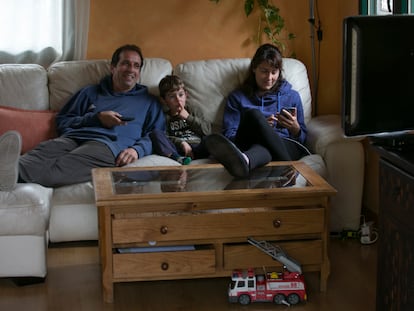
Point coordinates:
[[378, 75]]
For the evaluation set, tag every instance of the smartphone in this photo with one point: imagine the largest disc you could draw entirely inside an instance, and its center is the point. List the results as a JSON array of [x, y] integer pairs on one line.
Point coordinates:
[[292, 110]]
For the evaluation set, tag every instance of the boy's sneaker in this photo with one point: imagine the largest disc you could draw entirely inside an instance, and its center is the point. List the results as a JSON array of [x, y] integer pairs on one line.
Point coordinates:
[[182, 160], [10, 148]]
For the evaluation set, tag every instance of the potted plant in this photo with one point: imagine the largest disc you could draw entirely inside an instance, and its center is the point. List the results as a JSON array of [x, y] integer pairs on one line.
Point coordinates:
[[271, 23]]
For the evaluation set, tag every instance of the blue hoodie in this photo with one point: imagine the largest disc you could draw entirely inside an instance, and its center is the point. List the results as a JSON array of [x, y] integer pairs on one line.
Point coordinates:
[[78, 119], [268, 104]]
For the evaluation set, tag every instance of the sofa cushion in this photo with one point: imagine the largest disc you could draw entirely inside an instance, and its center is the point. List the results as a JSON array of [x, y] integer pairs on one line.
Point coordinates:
[[25, 210], [83, 193], [66, 78], [23, 256], [73, 216], [73, 222], [210, 81], [296, 73], [153, 160], [24, 86], [316, 162], [206, 96], [34, 126]]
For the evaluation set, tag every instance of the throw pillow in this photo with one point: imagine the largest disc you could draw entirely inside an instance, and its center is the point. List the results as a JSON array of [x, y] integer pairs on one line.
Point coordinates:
[[34, 126]]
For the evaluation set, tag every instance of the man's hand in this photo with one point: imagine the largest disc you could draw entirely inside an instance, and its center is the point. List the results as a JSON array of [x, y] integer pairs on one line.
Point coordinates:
[[109, 119], [127, 156]]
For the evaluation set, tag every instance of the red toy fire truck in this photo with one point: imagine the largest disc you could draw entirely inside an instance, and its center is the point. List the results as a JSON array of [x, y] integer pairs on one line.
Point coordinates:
[[287, 287]]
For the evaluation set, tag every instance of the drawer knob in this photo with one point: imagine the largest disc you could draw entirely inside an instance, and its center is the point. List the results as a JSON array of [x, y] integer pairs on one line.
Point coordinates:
[[164, 230], [277, 223], [164, 266]]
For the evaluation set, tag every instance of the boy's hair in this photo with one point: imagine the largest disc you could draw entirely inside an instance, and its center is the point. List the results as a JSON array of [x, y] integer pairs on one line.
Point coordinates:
[[170, 83]]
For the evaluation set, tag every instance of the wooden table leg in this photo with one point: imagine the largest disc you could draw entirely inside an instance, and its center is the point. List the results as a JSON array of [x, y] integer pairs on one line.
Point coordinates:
[[105, 251], [325, 271], [108, 291]]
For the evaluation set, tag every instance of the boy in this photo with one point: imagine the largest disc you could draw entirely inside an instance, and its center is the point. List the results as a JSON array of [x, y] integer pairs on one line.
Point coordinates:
[[183, 140]]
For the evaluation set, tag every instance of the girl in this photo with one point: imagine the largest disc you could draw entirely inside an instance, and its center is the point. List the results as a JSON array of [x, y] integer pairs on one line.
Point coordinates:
[[263, 119]]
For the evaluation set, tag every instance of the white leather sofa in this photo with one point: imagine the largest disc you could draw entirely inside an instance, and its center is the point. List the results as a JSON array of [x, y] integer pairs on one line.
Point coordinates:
[[31, 216]]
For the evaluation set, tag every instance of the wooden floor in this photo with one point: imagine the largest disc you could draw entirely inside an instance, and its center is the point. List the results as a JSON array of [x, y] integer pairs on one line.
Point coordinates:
[[73, 283]]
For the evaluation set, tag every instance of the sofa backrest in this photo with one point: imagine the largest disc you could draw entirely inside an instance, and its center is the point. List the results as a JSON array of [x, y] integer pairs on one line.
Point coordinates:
[[210, 81], [24, 86], [66, 78], [30, 86]]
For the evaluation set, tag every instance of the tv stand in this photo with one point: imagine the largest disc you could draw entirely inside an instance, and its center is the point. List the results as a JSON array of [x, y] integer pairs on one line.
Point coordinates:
[[394, 142], [395, 278]]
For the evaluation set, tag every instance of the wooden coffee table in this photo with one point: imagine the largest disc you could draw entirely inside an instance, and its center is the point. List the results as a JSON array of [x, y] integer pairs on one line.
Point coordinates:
[[159, 223]]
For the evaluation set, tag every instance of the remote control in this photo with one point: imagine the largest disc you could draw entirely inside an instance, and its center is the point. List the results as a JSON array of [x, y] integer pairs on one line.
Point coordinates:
[[125, 118]]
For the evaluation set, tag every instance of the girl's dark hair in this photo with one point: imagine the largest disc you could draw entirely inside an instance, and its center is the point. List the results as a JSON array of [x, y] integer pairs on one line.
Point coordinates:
[[126, 47], [170, 83], [266, 53]]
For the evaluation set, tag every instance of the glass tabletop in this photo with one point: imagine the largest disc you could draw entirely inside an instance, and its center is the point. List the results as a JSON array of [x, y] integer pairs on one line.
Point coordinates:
[[187, 179]]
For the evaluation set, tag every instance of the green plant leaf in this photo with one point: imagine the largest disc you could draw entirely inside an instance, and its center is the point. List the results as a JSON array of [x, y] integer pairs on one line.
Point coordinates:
[[248, 6], [263, 3], [272, 14]]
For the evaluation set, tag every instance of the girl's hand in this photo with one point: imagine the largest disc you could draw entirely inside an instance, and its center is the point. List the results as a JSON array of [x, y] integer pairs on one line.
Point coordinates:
[[272, 120], [288, 121]]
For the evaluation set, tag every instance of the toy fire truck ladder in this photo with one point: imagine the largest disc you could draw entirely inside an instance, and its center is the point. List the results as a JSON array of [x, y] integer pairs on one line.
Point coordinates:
[[278, 254]]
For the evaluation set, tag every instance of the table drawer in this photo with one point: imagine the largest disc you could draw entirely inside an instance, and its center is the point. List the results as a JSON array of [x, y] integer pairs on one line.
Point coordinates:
[[164, 264], [218, 225], [238, 256]]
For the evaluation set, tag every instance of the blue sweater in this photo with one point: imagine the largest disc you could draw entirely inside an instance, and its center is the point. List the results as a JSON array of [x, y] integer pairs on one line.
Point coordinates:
[[78, 119], [268, 104]]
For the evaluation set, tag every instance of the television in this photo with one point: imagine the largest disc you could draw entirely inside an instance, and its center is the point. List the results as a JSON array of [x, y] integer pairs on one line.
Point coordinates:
[[378, 75]]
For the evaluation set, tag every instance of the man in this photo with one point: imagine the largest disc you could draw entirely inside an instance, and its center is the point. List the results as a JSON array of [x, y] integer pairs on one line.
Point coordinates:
[[102, 125]]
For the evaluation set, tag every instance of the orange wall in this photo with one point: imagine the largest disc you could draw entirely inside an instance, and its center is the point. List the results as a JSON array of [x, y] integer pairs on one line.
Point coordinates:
[[182, 30]]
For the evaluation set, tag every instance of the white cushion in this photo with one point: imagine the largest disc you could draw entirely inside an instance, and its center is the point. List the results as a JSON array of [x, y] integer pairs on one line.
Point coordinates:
[[23, 256], [24, 86], [315, 161], [80, 193], [66, 78], [25, 210], [210, 81], [153, 160], [73, 222]]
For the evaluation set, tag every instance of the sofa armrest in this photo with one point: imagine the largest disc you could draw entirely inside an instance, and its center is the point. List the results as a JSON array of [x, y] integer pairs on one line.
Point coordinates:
[[326, 130], [344, 160]]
